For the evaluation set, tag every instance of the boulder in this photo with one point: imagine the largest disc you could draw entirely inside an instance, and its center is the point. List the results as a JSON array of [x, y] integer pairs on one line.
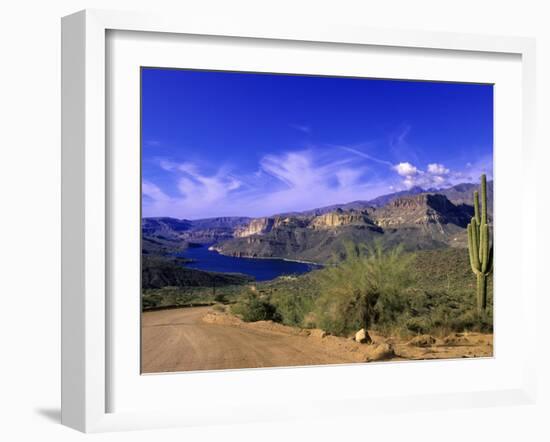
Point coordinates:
[[422, 341], [380, 352], [317, 333], [456, 340], [362, 336]]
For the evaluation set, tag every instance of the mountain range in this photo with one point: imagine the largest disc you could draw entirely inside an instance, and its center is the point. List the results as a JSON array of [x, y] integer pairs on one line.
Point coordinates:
[[415, 219]]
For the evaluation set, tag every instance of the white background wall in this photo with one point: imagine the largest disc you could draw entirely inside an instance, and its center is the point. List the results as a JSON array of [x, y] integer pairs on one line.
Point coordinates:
[[30, 220]]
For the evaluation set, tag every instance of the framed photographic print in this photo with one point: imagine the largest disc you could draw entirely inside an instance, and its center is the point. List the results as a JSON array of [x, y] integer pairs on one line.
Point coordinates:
[[250, 212], [267, 242]]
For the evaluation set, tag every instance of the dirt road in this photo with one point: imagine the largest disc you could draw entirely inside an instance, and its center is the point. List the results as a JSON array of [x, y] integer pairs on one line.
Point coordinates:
[[200, 338], [179, 340]]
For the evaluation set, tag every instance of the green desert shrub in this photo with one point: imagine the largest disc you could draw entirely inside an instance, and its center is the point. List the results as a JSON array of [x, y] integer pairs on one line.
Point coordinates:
[[472, 320], [219, 308], [220, 297], [365, 288], [439, 313], [292, 307], [418, 325], [151, 301], [250, 307]]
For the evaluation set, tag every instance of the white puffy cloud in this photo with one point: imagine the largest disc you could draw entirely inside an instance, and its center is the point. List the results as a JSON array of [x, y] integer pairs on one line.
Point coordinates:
[[437, 169], [409, 182], [436, 175], [405, 169]]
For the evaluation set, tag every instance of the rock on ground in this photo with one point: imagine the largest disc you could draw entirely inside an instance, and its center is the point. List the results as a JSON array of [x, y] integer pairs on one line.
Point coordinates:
[[422, 341], [317, 333], [380, 352], [458, 339], [362, 336]]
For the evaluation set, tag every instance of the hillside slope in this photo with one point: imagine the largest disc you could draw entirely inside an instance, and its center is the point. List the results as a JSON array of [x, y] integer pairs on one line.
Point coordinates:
[[158, 272], [423, 221]]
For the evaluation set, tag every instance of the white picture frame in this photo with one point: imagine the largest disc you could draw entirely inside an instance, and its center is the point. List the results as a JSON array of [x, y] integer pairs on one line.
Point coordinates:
[[86, 356]]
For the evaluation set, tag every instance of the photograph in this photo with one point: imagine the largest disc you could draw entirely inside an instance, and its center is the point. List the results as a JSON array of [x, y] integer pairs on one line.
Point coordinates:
[[305, 220]]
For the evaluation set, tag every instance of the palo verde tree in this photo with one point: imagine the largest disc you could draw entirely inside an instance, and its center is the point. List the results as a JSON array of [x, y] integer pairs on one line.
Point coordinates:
[[479, 245], [353, 291]]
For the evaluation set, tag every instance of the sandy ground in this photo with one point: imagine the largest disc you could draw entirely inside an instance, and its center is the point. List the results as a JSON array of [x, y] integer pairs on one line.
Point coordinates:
[[201, 339]]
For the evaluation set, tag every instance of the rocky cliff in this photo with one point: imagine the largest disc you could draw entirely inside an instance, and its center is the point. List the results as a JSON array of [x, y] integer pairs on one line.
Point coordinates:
[[260, 226], [416, 222], [403, 211], [421, 209], [340, 217]]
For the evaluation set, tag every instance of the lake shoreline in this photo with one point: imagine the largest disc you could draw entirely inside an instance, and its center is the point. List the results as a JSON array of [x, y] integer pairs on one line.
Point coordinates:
[[301, 261], [208, 258]]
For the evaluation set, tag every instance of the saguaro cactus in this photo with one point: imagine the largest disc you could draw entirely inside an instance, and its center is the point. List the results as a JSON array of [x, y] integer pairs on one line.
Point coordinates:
[[479, 245]]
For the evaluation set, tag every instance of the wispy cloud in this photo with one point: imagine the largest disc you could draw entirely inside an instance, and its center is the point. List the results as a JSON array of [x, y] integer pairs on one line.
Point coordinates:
[[301, 127], [311, 179], [286, 182], [154, 200], [399, 146], [211, 188], [152, 143], [300, 170], [365, 155]]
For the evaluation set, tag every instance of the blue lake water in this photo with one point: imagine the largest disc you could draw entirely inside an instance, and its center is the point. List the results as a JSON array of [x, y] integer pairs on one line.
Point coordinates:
[[260, 269]]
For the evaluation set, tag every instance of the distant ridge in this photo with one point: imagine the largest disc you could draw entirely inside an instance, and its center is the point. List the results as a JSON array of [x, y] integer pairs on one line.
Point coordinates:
[[458, 194]]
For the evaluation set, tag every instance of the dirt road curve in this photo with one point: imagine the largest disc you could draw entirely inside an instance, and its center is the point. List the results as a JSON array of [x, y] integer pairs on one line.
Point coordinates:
[[178, 340]]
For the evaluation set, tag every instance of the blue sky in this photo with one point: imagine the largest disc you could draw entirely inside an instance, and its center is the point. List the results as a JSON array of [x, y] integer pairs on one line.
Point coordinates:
[[243, 144]]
